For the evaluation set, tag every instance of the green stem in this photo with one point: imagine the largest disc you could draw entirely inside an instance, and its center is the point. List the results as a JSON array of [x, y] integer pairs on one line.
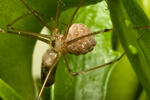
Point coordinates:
[[136, 51]]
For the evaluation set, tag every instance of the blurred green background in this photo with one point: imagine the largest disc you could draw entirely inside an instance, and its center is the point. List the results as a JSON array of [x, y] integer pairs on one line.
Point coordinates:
[[114, 82]]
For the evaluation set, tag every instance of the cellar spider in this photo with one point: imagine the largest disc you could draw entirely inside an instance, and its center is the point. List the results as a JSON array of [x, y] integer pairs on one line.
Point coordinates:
[[80, 43]]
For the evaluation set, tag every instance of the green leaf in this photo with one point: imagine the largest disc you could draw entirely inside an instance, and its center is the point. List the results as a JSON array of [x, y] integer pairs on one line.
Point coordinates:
[[15, 51], [98, 84], [146, 4], [143, 96], [123, 83], [131, 12], [8, 93]]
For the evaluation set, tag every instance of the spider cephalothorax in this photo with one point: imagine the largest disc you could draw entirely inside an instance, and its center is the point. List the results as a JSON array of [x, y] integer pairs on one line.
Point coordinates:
[[57, 42]]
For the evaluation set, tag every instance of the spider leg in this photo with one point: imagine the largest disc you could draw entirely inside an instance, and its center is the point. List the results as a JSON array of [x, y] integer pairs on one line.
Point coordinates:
[[141, 36], [30, 33], [18, 18], [90, 34], [141, 27], [27, 34], [107, 30], [45, 16], [33, 12], [58, 13], [48, 74], [70, 21], [24, 15], [12, 30], [94, 68]]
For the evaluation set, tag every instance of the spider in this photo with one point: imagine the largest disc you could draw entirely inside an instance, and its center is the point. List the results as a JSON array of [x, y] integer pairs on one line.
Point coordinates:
[[77, 40]]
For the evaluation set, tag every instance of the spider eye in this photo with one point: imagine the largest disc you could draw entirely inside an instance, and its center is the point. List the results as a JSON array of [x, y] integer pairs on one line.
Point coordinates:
[[53, 43]]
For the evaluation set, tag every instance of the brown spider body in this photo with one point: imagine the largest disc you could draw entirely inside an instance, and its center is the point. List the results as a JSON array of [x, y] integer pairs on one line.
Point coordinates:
[[47, 60], [58, 43], [82, 46]]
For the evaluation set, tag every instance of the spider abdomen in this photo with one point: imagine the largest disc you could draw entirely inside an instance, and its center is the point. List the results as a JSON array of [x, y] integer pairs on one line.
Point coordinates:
[[48, 59], [83, 45]]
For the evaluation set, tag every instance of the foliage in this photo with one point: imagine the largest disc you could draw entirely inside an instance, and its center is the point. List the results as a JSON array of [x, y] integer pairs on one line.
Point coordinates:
[[113, 82]]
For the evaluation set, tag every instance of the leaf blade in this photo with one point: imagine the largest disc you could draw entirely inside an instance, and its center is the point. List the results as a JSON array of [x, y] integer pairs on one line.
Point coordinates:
[[8, 93]]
